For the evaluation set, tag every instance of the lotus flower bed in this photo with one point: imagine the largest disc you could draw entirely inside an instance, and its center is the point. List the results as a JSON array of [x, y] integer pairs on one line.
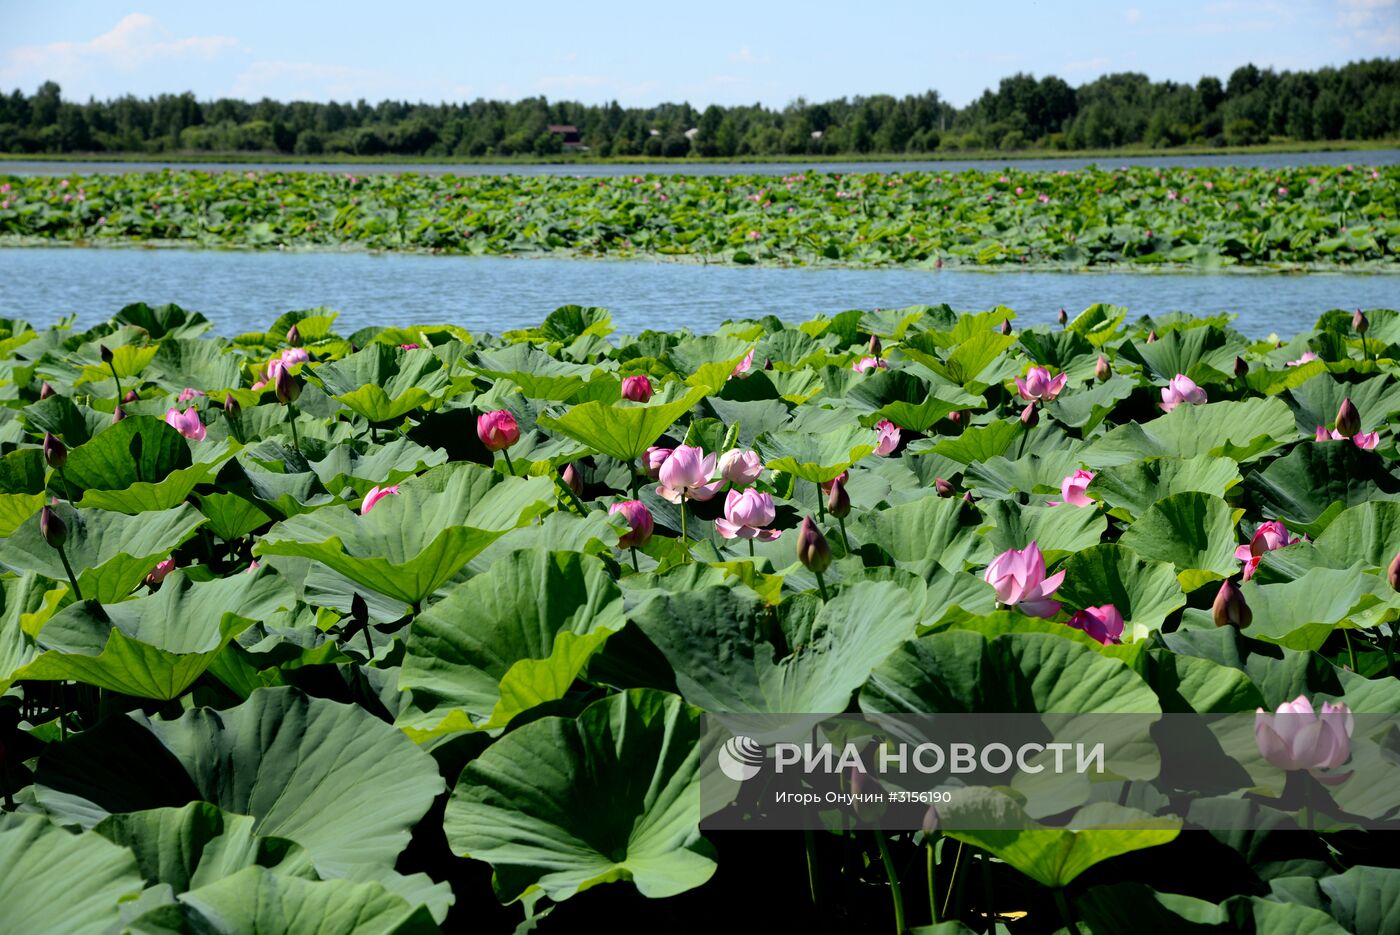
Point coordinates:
[[411, 627], [1204, 218]]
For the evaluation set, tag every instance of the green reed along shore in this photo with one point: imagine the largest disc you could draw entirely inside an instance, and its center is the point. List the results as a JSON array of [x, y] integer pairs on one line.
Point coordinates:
[[1143, 218]]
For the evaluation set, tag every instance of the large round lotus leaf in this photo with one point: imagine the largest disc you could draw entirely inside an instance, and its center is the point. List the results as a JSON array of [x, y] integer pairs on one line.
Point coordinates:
[[1144, 592], [298, 765], [1300, 487], [566, 804], [1194, 532], [52, 880]]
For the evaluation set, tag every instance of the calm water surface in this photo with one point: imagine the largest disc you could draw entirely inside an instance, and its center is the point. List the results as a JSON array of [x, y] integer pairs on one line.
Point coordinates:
[[245, 291], [1370, 157]]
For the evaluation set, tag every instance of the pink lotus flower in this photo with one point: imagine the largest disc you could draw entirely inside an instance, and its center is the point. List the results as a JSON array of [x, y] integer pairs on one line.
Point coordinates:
[[742, 367], [746, 513], [1104, 624], [411, 346], [259, 385], [1019, 578], [296, 355], [1297, 737], [1364, 440], [497, 430], [1268, 537], [186, 423], [274, 366], [1039, 385], [653, 459], [187, 394], [867, 364], [1308, 356], [638, 518], [375, 495], [841, 479], [1073, 488], [739, 467], [636, 388], [156, 575], [685, 475], [1181, 389], [889, 437]]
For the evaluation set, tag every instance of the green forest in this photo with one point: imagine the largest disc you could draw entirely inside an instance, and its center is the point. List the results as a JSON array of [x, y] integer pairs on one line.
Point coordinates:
[[1359, 101]]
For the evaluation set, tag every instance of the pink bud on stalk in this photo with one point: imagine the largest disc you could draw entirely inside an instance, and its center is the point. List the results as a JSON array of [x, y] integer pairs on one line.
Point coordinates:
[[572, 480], [497, 430], [1348, 419], [636, 388], [638, 519], [1230, 609], [812, 548]]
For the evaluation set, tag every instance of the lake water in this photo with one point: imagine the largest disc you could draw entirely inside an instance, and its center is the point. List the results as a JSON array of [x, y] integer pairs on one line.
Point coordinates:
[[1371, 157], [245, 291]]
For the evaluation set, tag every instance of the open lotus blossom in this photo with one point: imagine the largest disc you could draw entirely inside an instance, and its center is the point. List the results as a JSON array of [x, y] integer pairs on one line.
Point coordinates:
[[187, 423], [653, 459], [1269, 536], [889, 437], [867, 364], [156, 575], [187, 394], [747, 513], [1298, 737], [742, 367], [1366, 440], [375, 495], [1039, 385], [1181, 389], [685, 475], [740, 467], [1308, 357], [1073, 487], [1019, 578], [497, 430], [636, 388], [1104, 624], [638, 519], [295, 355]]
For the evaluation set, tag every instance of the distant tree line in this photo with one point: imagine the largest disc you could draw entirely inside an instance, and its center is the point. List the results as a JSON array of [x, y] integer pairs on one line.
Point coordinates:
[[1359, 101]]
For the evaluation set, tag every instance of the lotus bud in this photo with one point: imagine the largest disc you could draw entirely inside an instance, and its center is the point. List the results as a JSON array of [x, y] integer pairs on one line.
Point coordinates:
[[812, 549], [294, 336], [1062, 317], [118, 414], [105, 353], [288, 387], [1030, 418], [1360, 323], [1229, 609], [639, 520], [572, 480], [967, 498], [55, 452], [359, 610], [52, 528], [498, 429], [130, 397], [1006, 326], [1241, 368], [838, 502], [1102, 370], [955, 417], [45, 391], [636, 388], [1348, 419], [944, 488], [231, 407], [1394, 573], [767, 363], [875, 346]]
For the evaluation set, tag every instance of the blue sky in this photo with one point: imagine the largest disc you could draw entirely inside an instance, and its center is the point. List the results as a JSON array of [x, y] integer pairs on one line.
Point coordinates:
[[713, 51]]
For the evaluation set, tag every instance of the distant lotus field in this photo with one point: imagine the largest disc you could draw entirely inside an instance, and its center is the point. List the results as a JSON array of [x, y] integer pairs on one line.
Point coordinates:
[[412, 629], [1203, 219]]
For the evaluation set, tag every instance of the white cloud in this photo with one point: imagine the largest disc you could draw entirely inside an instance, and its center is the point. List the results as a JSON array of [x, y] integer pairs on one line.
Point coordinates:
[[746, 56], [1132, 15], [1375, 23], [136, 41]]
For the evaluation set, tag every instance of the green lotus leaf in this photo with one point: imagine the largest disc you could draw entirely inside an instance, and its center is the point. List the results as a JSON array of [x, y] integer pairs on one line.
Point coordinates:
[[1133, 487], [382, 382], [514, 636], [138, 449], [937, 528], [816, 458], [1195, 532], [1058, 530], [1200, 353], [1301, 614], [1144, 592], [1316, 402], [1239, 430], [381, 466], [620, 431], [566, 804], [1313, 482], [52, 880]]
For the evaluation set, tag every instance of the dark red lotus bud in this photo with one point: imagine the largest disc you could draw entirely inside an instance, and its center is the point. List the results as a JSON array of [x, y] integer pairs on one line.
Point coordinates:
[[1006, 326], [1348, 419], [359, 610], [572, 480], [875, 346], [45, 391], [287, 386], [118, 414], [838, 502], [231, 407], [1360, 323], [55, 452], [1229, 609], [944, 488], [1030, 418], [105, 353], [1241, 368], [1062, 317], [767, 363], [130, 397], [52, 528], [967, 498], [812, 549], [1102, 369], [294, 336]]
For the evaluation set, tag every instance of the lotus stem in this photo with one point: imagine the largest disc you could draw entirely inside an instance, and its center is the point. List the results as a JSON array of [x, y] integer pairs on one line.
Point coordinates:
[[809, 843], [845, 543], [509, 465], [986, 862], [685, 540], [117, 380], [1062, 903], [72, 578], [636, 479], [893, 876], [952, 878], [821, 504], [821, 585], [634, 560], [67, 487], [750, 548], [932, 883], [292, 421]]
